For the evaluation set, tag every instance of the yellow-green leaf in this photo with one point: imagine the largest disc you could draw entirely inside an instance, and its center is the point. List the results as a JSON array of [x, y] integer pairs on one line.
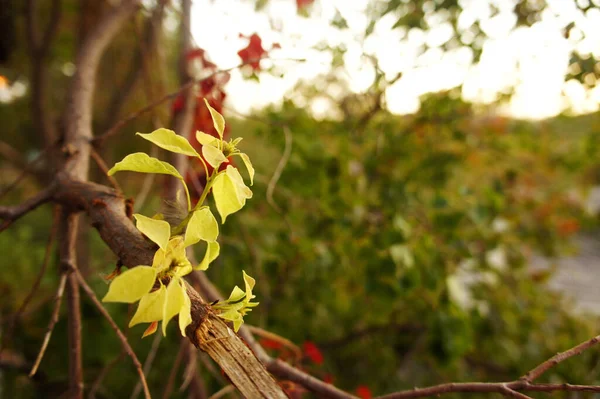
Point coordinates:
[[218, 120], [202, 226], [150, 308], [185, 314], [249, 282], [131, 285], [230, 315], [249, 166], [226, 196], [158, 231], [212, 252], [236, 294], [143, 163], [242, 190], [173, 303], [206, 139], [213, 156], [170, 141], [237, 324]]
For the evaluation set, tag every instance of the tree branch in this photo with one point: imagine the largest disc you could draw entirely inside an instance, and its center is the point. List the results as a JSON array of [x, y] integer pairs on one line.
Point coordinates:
[[51, 324], [78, 132], [535, 373], [90, 293], [98, 140], [38, 50], [12, 213], [68, 261]]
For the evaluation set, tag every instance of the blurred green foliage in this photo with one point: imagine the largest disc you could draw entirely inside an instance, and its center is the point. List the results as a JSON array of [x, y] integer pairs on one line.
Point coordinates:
[[399, 245]]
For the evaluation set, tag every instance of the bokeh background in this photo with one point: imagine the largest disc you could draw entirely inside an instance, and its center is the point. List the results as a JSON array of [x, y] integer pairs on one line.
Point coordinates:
[[426, 202]]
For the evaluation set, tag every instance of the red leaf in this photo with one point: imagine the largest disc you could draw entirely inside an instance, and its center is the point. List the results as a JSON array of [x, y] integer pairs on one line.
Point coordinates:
[[151, 329], [363, 392], [312, 352]]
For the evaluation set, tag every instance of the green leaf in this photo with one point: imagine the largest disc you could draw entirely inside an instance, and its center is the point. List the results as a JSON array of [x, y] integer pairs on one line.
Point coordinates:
[[173, 304], [212, 252], [131, 285], [150, 308], [206, 139], [143, 163], [249, 166], [213, 156], [158, 231], [217, 118], [185, 314], [170, 141], [202, 226]]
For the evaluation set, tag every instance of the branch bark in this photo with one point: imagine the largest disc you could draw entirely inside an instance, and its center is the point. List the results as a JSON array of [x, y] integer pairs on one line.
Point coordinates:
[[68, 262]]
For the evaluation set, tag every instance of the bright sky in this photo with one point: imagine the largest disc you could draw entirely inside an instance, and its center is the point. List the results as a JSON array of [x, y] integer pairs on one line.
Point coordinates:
[[532, 60]]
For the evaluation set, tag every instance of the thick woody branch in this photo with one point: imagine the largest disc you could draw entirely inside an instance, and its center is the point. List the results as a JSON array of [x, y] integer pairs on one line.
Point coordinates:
[[68, 261], [78, 132], [109, 215], [38, 48]]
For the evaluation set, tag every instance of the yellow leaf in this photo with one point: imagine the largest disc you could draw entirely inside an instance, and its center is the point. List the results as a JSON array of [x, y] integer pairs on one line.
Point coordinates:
[[213, 156], [150, 308], [185, 314], [131, 285], [206, 139], [212, 252], [249, 166], [242, 190], [143, 163], [226, 196], [249, 282], [202, 226], [236, 294], [218, 120], [170, 141], [173, 303], [158, 231]]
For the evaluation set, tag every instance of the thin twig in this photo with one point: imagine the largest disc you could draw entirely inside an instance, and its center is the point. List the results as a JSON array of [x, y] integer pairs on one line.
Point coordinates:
[[103, 373], [51, 324], [117, 126], [29, 168], [535, 373], [274, 337], [222, 392], [117, 330], [147, 364], [174, 369], [36, 284], [11, 213], [287, 151], [104, 169]]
